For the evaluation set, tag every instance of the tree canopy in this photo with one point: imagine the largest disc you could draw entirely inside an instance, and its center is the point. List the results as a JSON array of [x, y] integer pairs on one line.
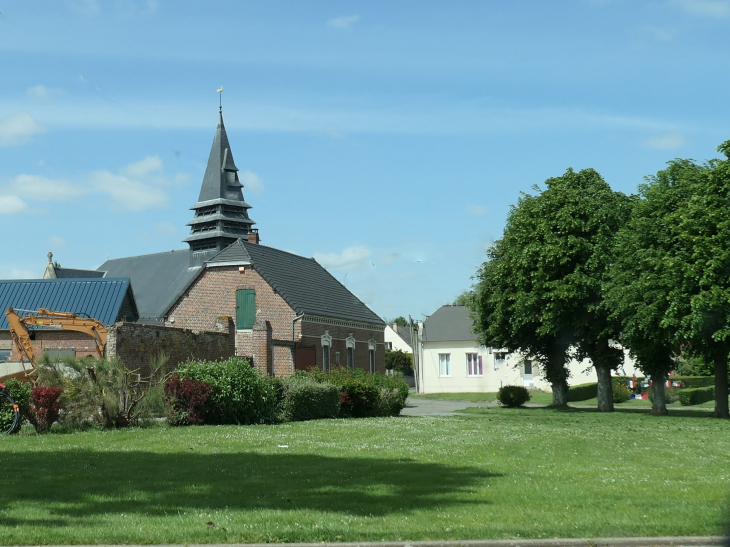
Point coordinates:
[[540, 292]]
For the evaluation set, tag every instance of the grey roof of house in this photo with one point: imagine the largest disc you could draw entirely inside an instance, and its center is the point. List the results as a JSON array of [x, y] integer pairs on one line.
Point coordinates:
[[448, 323], [305, 285], [158, 279], [104, 299], [70, 273], [404, 333]]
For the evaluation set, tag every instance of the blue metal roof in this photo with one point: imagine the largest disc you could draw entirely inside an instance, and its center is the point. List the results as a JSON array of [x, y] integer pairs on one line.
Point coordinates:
[[100, 298]]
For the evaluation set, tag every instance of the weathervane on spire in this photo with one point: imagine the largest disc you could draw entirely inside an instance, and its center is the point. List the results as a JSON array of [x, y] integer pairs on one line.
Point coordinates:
[[220, 99]]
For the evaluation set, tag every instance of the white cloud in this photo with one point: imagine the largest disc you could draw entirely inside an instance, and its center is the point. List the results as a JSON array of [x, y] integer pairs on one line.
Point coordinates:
[[42, 92], [11, 205], [141, 168], [344, 21], [18, 273], [476, 210], [656, 33], [349, 257], [84, 7], [666, 141], [44, 189], [129, 193], [163, 229], [718, 9], [18, 129], [56, 242], [253, 182]]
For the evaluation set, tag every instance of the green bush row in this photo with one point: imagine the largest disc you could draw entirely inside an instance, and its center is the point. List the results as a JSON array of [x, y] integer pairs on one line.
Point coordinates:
[[696, 396], [690, 382], [238, 393], [20, 392], [363, 394], [304, 399], [582, 392]]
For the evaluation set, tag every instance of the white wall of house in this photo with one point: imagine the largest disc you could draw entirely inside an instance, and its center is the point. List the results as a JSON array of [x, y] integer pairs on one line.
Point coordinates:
[[396, 342], [494, 372]]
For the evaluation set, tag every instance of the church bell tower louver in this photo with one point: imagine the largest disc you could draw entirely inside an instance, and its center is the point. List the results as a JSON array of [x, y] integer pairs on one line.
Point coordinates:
[[221, 214]]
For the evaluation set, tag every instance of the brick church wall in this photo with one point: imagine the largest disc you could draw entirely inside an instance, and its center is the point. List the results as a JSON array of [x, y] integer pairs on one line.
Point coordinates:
[[213, 295], [312, 336]]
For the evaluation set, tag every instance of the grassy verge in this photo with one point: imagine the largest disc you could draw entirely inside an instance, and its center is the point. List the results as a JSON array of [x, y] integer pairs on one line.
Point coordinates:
[[538, 397], [504, 473], [542, 398]]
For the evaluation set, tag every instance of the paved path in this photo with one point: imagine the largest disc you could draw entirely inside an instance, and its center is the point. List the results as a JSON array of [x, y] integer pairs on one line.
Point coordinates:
[[436, 407]]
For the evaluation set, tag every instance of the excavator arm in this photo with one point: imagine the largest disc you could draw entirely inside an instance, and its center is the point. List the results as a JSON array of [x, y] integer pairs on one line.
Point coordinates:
[[54, 320]]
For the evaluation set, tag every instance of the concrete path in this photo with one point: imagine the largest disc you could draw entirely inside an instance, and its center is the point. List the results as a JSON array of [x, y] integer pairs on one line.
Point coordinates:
[[688, 541], [436, 407]]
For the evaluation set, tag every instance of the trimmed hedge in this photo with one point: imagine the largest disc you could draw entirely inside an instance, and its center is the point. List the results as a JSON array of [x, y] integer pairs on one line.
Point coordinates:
[[582, 392], [306, 399], [363, 394], [691, 382], [696, 396], [513, 396], [238, 393]]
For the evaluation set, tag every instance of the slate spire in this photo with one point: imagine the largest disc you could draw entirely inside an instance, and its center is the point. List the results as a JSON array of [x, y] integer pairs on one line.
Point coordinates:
[[221, 214]]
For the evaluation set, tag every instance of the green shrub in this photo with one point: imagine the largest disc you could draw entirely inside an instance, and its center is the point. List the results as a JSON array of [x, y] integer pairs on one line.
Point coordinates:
[[621, 393], [20, 392], [306, 399], [582, 392], [390, 402], [398, 360], [238, 393], [360, 391], [513, 396], [690, 382], [696, 396], [671, 395]]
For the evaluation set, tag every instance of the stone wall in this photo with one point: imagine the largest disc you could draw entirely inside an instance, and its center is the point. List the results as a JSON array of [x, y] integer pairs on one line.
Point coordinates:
[[136, 344]]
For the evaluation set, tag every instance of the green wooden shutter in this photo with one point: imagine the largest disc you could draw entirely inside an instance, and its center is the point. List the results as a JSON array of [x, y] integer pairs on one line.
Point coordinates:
[[245, 308]]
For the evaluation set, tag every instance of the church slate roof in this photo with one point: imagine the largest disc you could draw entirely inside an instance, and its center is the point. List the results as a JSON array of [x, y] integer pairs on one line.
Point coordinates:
[[305, 285], [447, 324], [71, 273], [158, 279], [109, 300]]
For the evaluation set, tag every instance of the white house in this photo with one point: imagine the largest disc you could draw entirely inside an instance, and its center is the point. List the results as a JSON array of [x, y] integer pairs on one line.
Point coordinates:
[[397, 337], [451, 360]]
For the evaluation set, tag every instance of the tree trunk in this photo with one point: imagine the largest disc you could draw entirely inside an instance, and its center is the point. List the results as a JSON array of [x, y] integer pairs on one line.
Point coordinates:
[[721, 406], [659, 404], [560, 393], [605, 389]]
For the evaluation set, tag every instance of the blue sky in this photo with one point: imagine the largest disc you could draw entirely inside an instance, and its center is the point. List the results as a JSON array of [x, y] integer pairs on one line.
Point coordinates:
[[386, 139]]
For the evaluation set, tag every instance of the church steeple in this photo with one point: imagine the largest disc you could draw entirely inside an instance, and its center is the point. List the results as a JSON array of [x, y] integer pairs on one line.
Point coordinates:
[[221, 214]]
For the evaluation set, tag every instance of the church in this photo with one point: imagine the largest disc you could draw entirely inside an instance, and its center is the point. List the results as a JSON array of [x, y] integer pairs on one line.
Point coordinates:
[[283, 311]]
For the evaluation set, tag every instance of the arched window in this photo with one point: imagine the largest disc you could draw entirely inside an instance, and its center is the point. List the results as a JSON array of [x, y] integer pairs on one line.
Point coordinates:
[[350, 344], [326, 346]]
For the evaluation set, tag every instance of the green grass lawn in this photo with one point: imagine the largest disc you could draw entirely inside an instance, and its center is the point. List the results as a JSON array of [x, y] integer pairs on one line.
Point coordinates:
[[498, 474], [542, 398]]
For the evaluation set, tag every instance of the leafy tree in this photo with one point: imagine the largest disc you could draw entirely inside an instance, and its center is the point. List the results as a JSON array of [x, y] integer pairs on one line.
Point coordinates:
[[699, 310], [398, 360], [400, 321], [464, 299], [641, 280], [540, 292]]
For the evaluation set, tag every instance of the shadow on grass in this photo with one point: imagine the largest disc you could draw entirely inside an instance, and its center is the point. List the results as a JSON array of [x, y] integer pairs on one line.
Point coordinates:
[[79, 484]]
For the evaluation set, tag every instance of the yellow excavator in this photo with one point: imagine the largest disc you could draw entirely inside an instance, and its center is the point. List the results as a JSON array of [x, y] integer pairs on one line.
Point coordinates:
[[51, 319]]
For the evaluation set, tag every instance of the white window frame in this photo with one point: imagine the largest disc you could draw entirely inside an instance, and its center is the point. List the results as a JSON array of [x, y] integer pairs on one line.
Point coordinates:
[[371, 355], [474, 365], [444, 371], [350, 346], [532, 368], [326, 350]]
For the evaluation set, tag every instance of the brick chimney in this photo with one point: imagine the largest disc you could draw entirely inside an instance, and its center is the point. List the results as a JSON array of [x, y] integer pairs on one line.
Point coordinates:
[[253, 235]]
